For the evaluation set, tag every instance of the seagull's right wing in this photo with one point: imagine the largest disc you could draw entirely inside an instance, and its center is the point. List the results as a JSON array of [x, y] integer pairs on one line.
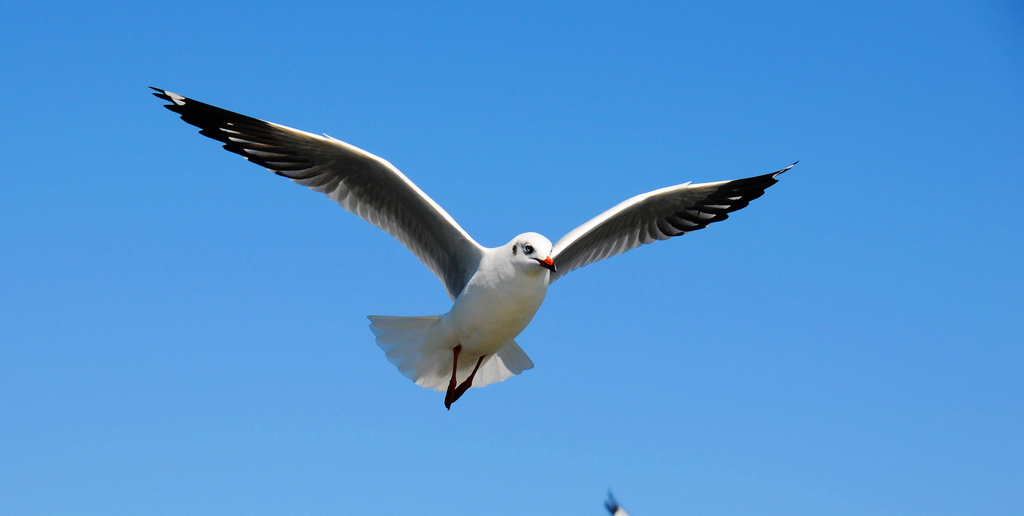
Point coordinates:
[[653, 216], [360, 182]]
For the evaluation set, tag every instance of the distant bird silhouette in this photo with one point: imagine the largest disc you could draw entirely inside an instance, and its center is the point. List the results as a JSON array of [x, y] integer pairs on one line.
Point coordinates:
[[614, 507]]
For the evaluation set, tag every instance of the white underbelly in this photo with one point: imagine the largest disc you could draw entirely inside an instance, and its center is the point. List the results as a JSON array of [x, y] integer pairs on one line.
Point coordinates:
[[486, 320]]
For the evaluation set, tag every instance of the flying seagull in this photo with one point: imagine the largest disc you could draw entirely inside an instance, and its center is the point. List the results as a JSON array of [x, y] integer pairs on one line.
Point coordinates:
[[496, 291], [613, 506]]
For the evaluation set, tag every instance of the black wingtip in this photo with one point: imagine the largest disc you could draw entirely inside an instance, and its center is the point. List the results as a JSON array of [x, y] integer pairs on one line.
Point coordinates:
[[774, 174], [174, 99]]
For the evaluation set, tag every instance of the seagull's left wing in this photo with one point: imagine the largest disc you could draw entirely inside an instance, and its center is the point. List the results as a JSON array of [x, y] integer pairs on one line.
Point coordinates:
[[657, 215], [360, 182]]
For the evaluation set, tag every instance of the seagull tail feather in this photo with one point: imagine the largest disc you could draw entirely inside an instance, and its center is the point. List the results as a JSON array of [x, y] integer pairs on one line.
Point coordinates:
[[425, 357]]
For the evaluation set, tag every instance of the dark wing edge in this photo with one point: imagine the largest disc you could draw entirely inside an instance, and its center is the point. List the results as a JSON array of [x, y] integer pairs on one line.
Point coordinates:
[[653, 216], [360, 182]]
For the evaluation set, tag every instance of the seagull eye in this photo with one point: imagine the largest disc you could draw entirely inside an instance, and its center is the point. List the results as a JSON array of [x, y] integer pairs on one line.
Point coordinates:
[[527, 248]]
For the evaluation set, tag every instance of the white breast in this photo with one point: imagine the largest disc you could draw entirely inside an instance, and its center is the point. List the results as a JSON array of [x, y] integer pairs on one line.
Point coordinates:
[[497, 304]]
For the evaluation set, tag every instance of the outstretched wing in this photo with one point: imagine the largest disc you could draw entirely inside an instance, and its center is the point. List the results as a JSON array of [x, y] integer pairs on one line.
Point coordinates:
[[360, 182], [657, 215]]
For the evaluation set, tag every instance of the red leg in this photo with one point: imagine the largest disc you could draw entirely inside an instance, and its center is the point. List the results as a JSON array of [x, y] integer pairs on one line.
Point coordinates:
[[464, 386], [449, 396]]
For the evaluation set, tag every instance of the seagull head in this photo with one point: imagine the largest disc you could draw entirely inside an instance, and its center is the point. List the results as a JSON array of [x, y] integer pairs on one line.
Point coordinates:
[[531, 250]]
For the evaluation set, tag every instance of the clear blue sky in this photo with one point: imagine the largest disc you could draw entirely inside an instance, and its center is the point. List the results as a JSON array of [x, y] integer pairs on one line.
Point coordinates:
[[182, 332]]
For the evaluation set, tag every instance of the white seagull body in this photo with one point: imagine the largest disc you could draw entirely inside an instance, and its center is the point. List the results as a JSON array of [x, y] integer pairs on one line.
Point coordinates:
[[496, 291]]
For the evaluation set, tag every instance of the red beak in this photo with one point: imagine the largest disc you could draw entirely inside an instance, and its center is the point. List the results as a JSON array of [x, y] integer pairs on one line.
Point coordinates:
[[547, 263]]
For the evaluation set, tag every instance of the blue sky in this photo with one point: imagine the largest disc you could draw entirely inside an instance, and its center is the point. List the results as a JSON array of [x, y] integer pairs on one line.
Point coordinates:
[[183, 332]]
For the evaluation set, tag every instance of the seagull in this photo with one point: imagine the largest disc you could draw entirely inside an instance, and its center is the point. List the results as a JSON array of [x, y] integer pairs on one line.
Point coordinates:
[[495, 291], [613, 506]]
